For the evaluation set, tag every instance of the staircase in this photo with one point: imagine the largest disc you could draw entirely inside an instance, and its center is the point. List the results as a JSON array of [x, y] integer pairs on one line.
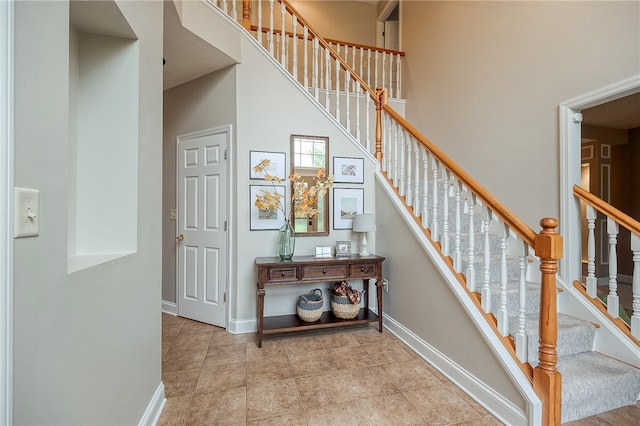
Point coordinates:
[[496, 258], [592, 383]]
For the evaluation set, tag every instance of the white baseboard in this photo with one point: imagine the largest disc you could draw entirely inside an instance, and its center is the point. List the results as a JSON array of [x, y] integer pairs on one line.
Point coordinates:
[[503, 409], [242, 327], [155, 407], [169, 308]]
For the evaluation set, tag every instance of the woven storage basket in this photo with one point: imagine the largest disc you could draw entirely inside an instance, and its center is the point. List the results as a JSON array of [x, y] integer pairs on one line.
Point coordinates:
[[343, 308], [309, 306]]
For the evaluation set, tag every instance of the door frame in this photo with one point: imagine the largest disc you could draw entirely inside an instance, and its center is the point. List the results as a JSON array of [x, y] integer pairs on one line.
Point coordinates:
[[230, 233], [6, 207], [570, 137]]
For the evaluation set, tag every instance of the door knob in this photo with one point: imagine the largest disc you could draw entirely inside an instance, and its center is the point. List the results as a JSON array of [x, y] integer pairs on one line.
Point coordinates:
[[180, 238]]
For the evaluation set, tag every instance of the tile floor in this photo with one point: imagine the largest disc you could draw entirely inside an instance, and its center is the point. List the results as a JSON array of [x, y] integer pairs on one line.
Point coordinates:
[[312, 378]]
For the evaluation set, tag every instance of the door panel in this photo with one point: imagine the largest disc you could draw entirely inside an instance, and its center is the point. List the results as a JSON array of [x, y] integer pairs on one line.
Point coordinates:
[[202, 206]]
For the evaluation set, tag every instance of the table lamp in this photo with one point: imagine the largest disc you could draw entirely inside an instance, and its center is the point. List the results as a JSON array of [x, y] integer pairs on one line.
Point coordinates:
[[364, 223]]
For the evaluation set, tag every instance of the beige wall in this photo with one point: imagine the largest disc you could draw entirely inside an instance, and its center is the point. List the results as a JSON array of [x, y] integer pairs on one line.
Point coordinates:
[[86, 345], [484, 81], [351, 21]]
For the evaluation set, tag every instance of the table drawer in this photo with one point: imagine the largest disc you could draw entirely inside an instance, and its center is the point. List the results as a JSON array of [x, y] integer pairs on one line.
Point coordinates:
[[362, 270], [327, 271], [289, 273]]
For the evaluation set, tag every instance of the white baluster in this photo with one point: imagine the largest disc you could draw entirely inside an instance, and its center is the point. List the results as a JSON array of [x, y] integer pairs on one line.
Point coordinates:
[[368, 120], [283, 36], [425, 189], [369, 69], [384, 81], [234, 11], [347, 90], [445, 211], [327, 77], [294, 28], [457, 249], [270, 33], [398, 77], [376, 67], [358, 100], [305, 35], [391, 91], [401, 181], [486, 276], [613, 301], [502, 314], [259, 32], [224, 6], [408, 176], [522, 351], [435, 167], [470, 201], [338, 88], [395, 154], [635, 316], [416, 185], [361, 50], [592, 281]]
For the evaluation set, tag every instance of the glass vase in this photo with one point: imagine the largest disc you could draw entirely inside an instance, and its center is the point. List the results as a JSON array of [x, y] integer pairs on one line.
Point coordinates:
[[286, 241]]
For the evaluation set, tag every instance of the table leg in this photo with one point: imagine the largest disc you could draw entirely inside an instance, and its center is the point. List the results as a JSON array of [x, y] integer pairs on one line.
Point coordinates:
[[260, 314], [379, 293]]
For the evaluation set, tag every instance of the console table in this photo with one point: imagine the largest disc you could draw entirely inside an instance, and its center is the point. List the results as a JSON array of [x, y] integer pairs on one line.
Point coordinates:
[[307, 270]]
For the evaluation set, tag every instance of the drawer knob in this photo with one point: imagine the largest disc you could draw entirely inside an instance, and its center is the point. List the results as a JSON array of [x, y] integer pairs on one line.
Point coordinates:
[[324, 271], [362, 269], [283, 274]]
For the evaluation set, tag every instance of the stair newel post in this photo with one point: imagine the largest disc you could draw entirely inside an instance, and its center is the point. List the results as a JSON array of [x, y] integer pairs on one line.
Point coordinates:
[[246, 15], [547, 381], [381, 100], [613, 300]]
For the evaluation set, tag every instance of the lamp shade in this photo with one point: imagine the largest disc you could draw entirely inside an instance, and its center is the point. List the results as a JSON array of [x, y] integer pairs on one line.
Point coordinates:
[[364, 223]]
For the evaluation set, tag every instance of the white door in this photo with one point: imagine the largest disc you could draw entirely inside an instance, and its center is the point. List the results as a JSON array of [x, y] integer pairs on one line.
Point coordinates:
[[201, 222]]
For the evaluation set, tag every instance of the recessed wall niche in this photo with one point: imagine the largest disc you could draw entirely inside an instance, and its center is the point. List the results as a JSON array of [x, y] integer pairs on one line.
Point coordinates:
[[103, 136]]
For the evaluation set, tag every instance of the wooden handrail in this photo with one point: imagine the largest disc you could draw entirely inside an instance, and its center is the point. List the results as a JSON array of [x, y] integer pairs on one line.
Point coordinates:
[[366, 47], [522, 229], [329, 40], [607, 209]]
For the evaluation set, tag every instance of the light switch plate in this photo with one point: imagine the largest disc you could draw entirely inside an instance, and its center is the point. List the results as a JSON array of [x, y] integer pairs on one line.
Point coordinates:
[[26, 212]]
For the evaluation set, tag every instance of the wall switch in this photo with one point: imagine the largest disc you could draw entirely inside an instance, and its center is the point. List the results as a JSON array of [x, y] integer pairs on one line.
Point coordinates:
[[385, 285], [26, 212], [172, 214]]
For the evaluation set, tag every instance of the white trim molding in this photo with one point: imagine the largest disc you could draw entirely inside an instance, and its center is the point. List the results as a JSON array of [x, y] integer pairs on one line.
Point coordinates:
[[169, 308], [6, 208], [152, 414]]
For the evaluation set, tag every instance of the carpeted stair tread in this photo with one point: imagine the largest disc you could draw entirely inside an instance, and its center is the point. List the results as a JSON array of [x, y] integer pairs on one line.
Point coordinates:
[[574, 336], [593, 383]]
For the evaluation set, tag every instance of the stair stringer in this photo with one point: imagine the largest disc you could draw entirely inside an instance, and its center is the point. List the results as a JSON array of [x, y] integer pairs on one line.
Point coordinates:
[[609, 340], [489, 398]]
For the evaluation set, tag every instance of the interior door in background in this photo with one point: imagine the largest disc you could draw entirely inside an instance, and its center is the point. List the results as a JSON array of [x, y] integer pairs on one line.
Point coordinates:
[[201, 235]]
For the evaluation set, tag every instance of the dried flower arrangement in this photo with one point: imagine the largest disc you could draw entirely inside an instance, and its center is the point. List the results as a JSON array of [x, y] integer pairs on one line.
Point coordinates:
[[304, 196]]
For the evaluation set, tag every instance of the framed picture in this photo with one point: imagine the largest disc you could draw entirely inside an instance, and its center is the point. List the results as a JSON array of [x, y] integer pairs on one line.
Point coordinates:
[[348, 169], [323, 251], [260, 219], [277, 165], [343, 248], [346, 203]]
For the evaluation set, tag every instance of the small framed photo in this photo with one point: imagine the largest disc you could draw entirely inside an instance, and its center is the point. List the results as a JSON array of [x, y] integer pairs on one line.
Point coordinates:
[[348, 169], [323, 251], [261, 219], [343, 248], [277, 164], [347, 202]]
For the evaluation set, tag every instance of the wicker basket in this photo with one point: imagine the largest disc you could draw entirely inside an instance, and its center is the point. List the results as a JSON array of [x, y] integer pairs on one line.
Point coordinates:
[[343, 308], [309, 306]]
